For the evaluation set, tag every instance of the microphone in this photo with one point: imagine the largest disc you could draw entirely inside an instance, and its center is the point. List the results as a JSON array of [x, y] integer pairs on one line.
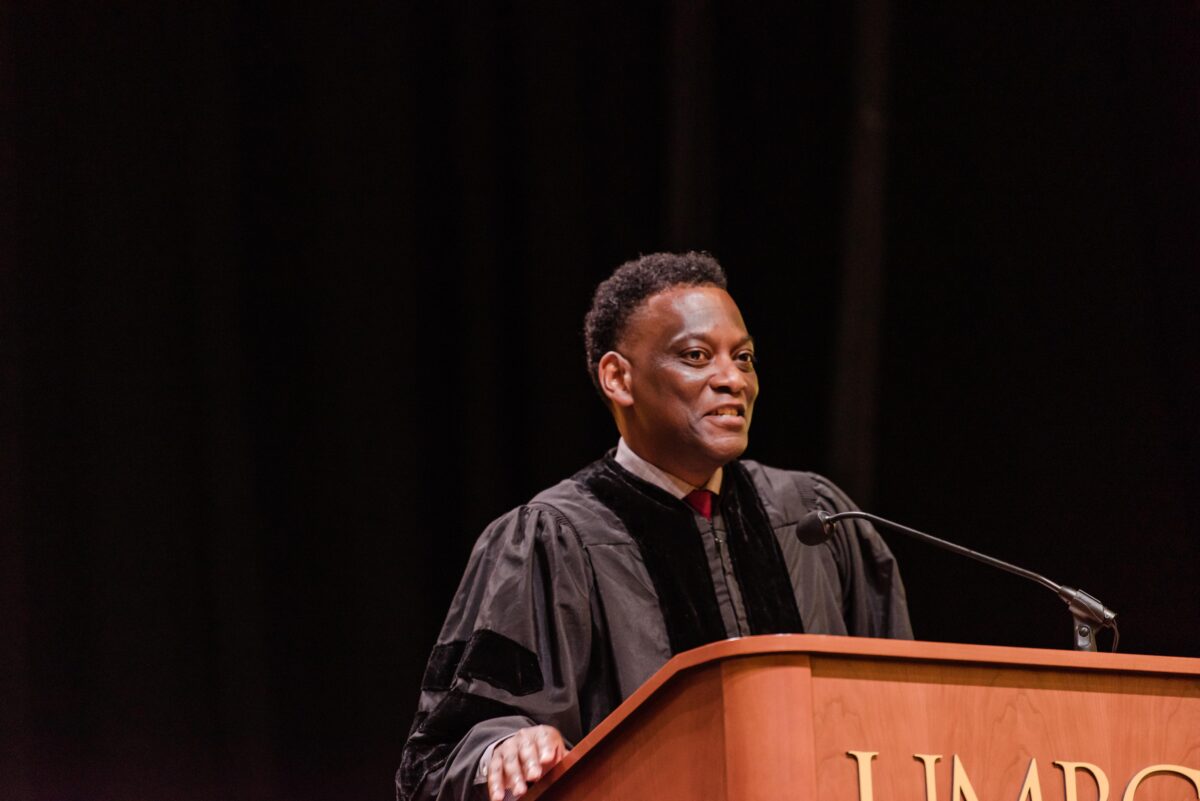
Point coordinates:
[[1087, 612], [815, 528]]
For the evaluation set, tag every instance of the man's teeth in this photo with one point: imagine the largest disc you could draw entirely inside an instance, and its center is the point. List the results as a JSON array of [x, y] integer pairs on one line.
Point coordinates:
[[726, 412]]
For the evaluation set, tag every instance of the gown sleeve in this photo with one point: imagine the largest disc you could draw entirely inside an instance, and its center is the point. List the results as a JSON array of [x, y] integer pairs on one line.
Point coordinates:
[[513, 652], [874, 603]]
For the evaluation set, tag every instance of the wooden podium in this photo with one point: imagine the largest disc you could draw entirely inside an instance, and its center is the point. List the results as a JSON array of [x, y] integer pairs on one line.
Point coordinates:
[[853, 719]]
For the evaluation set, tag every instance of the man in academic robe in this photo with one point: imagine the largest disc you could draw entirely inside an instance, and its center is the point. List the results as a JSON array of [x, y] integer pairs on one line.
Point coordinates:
[[670, 541]]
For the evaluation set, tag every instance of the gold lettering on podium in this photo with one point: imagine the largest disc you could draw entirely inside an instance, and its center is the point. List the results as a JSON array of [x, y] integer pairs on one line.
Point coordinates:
[[1188, 773], [1031, 790], [929, 760], [1069, 769], [866, 788], [961, 788], [960, 782]]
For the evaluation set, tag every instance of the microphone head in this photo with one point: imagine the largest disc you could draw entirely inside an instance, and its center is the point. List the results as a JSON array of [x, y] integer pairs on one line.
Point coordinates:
[[814, 528]]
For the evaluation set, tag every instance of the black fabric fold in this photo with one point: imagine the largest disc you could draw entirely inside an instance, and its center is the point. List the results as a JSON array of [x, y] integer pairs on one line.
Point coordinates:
[[502, 663], [664, 529], [758, 563], [443, 664], [488, 656], [433, 737]]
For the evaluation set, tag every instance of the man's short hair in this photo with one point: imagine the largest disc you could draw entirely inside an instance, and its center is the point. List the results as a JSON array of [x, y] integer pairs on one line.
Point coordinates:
[[633, 282]]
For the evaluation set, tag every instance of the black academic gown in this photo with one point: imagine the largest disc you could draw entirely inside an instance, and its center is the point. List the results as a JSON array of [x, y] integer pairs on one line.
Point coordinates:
[[570, 602]]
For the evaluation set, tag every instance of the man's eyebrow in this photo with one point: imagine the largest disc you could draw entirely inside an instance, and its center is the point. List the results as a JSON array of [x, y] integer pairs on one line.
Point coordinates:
[[704, 335]]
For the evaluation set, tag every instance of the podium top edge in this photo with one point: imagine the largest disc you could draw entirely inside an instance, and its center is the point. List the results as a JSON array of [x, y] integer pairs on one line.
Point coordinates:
[[927, 651]]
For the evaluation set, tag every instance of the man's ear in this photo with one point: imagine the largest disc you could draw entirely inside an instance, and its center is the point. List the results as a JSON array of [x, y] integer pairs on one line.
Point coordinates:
[[615, 379]]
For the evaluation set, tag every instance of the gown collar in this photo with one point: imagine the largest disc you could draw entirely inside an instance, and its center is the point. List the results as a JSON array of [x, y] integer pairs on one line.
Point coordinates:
[[652, 474]]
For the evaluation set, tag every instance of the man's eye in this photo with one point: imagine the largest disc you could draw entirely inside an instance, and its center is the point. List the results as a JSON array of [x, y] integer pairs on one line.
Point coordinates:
[[695, 355], [747, 358]]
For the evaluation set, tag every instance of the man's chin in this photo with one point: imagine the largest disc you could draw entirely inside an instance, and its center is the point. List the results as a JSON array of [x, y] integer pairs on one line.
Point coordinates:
[[725, 450]]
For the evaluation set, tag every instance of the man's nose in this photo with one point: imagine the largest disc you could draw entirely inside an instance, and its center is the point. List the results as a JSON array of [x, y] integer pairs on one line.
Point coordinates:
[[729, 376]]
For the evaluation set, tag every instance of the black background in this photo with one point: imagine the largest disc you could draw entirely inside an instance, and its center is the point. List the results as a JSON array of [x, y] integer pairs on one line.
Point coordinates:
[[290, 308]]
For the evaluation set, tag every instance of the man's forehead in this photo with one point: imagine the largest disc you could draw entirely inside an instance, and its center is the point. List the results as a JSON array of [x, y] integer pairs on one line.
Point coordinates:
[[685, 311]]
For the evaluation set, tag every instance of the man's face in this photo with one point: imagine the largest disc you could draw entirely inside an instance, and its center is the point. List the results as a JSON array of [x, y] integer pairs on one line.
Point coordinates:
[[692, 381]]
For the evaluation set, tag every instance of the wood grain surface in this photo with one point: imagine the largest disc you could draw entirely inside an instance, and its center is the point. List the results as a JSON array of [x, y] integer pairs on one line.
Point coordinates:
[[775, 717]]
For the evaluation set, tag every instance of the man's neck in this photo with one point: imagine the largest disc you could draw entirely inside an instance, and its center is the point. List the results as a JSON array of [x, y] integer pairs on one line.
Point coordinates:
[[653, 474]]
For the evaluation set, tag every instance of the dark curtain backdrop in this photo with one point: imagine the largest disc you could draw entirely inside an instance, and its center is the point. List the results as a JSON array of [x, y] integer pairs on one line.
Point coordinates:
[[290, 303]]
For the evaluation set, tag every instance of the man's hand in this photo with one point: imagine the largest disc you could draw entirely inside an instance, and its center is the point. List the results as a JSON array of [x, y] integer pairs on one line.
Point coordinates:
[[523, 759]]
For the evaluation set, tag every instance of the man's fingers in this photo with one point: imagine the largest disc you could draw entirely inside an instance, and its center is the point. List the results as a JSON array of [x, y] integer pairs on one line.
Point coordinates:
[[528, 752], [505, 772], [545, 745], [550, 745], [513, 778], [523, 759], [495, 776]]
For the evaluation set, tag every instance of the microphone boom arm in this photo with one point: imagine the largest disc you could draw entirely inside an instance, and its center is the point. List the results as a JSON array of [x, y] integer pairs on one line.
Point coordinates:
[[1087, 612]]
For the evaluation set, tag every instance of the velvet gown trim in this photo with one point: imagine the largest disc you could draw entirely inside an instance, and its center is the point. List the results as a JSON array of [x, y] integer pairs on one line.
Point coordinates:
[[489, 656], [664, 529], [435, 735], [758, 562]]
